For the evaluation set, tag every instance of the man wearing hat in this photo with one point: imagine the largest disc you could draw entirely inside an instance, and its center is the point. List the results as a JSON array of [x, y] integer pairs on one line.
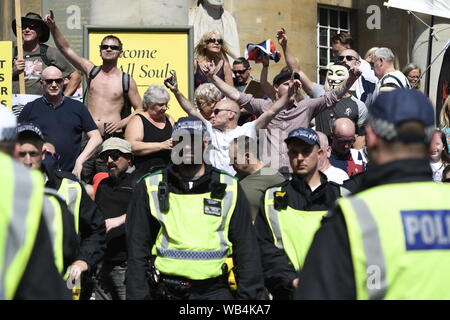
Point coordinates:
[[185, 223], [38, 56], [292, 212], [88, 220], [113, 197], [28, 269], [391, 239], [300, 115]]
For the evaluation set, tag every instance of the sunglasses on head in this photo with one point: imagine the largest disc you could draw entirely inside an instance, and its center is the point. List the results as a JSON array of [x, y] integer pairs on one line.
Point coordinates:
[[348, 58], [114, 155], [214, 40], [239, 71], [30, 26], [50, 81], [113, 47]]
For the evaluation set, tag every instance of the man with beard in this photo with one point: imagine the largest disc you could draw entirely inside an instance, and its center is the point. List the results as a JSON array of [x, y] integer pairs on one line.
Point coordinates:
[[112, 197], [184, 225]]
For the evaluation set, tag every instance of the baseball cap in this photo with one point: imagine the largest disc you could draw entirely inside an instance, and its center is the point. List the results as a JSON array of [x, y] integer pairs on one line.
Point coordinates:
[[30, 127], [116, 144], [305, 134], [282, 77], [189, 125], [8, 125], [391, 109]]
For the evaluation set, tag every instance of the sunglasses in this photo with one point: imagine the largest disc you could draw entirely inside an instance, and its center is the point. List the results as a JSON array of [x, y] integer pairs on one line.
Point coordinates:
[[214, 40], [30, 26], [217, 111], [50, 81], [114, 155], [239, 71], [348, 58], [113, 47]]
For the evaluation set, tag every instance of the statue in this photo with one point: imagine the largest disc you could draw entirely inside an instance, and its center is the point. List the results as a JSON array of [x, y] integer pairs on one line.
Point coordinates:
[[209, 15]]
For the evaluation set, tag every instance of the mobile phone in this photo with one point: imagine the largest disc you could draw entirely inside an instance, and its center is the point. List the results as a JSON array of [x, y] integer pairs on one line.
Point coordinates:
[[297, 75]]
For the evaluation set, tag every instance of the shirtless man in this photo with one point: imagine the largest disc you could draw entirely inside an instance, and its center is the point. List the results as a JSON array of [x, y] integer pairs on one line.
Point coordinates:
[[105, 93]]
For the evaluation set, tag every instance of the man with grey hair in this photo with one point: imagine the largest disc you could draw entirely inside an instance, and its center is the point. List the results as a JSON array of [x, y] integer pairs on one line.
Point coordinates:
[[333, 173], [382, 64]]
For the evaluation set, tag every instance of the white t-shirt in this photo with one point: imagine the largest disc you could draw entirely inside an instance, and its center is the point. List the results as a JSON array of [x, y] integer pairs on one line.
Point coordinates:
[[387, 78], [336, 175], [220, 144], [437, 168]]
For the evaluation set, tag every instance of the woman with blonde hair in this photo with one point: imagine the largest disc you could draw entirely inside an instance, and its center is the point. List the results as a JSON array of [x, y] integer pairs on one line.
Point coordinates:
[[212, 47], [444, 119]]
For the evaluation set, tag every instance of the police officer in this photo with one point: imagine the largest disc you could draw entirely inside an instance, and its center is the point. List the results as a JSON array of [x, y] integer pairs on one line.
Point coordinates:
[[27, 269], [187, 220], [391, 240], [292, 212], [87, 218]]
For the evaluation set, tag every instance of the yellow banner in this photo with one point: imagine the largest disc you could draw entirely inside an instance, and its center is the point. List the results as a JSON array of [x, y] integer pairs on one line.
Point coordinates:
[[6, 73], [149, 56]]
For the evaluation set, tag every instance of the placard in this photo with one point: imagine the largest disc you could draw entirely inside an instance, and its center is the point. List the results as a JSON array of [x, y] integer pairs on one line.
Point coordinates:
[[6, 73]]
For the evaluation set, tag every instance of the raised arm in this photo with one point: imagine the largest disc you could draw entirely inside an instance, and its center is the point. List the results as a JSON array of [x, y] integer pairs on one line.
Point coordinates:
[[63, 46], [182, 100], [228, 90], [292, 62], [72, 85], [354, 74], [285, 100], [265, 84]]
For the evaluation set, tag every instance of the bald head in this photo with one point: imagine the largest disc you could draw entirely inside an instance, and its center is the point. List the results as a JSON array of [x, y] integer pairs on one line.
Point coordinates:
[[52, 82], [344, 127], [51, 73], [323, 139], [343, 136], [225, 115]]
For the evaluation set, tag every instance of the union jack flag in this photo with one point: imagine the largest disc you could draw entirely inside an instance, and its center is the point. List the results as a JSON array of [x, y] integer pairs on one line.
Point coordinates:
[[256, 52]]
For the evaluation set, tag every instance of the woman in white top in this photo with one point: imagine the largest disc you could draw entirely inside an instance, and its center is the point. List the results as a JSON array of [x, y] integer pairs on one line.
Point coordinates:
[[439, 157]]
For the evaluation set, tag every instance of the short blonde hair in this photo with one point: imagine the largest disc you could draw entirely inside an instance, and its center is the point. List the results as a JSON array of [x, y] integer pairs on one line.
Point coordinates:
[[206, 93]]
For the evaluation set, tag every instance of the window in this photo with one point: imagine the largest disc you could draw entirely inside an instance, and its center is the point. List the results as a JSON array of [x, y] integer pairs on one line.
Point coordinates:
[[331, 21]]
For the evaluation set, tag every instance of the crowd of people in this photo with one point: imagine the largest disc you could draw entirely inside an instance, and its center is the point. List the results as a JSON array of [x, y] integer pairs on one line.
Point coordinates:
[[246, 197]]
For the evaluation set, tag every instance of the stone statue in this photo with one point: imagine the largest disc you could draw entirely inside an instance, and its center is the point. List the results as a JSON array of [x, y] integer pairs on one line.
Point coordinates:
[[209, 15]]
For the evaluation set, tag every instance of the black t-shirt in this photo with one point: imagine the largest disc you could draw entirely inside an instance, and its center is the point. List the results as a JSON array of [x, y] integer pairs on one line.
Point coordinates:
[[344, 108], [62, 126], [113, 200]]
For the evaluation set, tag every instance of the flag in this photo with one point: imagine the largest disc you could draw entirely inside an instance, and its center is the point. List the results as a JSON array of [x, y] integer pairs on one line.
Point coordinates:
[[257, 52]]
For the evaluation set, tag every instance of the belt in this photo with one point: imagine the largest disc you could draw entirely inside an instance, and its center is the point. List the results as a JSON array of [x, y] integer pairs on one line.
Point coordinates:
[[189, 283]]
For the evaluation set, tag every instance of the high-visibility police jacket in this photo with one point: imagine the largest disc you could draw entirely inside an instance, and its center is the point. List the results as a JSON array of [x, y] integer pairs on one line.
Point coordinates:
[[21, 196], [59, 221], [192, 244], [145, 234], [87, 218], [400, 246], [286, 225]]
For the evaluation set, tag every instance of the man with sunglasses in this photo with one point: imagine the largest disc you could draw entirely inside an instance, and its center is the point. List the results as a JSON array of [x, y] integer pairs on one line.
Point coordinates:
[[109, 99], [38, 56], [112, 197], [241, 71], [63, 120], [88, 220]]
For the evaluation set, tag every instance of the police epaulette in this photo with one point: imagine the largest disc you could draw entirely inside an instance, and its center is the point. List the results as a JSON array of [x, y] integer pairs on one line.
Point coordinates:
[[228, 174]]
